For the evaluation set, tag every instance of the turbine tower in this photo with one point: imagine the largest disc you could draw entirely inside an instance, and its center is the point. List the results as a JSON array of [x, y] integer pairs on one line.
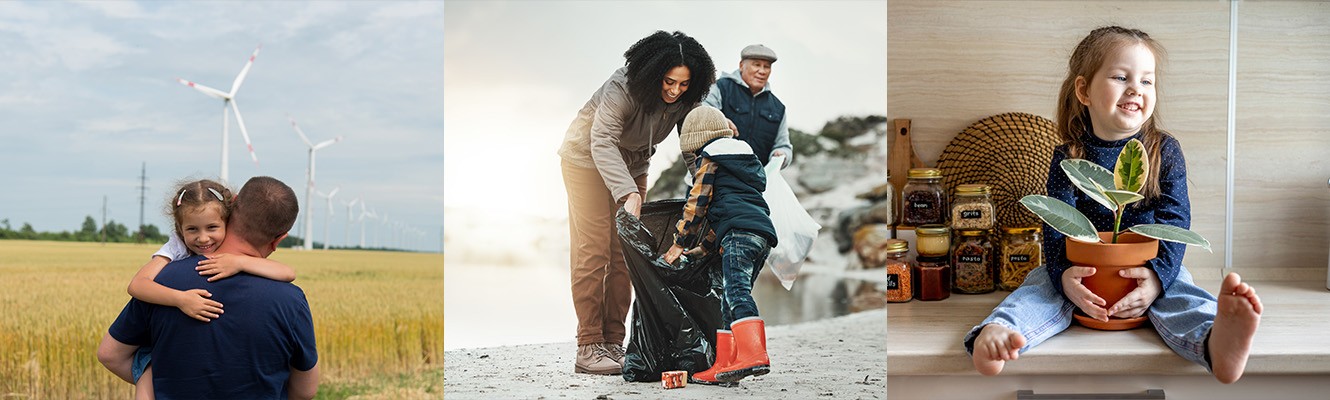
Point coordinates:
[[229, 101], [309, 186], [327, 220], [365, 214], [349, 220]]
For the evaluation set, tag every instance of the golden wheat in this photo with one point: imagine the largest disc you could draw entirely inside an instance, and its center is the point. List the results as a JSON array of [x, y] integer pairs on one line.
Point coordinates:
[[375, 313]]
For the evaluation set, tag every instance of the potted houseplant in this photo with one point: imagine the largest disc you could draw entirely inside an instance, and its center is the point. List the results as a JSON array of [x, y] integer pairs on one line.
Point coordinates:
[[1122, 248]]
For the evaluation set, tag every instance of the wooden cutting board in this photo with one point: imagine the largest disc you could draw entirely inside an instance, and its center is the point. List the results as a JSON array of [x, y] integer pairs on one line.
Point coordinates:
[[901, 156]]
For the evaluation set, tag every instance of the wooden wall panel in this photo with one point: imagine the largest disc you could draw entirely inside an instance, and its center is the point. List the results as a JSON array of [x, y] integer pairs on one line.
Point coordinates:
[[1281, 202], [951, 63]]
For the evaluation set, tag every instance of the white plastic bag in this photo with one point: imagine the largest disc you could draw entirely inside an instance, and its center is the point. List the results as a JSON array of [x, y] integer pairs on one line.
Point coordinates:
[[795, 229]]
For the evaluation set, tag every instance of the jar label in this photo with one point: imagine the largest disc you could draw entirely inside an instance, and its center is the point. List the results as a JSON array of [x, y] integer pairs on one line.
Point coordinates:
[[971, 259], [972, 214], [1019, 258], [921, 205], [893, 281]]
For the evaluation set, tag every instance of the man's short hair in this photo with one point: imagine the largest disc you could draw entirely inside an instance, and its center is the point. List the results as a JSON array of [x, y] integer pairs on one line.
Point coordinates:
[[265, 209]]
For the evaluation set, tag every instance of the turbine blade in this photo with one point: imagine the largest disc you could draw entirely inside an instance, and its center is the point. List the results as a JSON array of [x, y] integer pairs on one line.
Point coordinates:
[[299, 132], [204, 89], [244, 133], [333, 193], [241, 78], [327, 143]]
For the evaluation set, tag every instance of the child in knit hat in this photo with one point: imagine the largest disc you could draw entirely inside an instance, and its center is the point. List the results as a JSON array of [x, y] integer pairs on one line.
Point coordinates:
[[727, 194]]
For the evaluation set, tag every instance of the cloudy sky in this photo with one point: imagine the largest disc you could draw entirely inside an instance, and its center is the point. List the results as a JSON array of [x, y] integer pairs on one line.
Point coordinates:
[[89, 95], [516, 73]]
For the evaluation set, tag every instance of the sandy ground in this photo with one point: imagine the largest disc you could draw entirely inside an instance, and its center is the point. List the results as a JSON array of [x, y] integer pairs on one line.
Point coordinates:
[[838, 358]]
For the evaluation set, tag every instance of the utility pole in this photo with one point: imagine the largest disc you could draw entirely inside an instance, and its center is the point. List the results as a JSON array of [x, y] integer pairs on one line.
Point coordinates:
[[143, 187], [103, 220]]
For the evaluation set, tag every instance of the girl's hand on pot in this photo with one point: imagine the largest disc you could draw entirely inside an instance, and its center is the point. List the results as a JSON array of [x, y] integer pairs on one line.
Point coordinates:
[[1089, 303], [1137, 302]]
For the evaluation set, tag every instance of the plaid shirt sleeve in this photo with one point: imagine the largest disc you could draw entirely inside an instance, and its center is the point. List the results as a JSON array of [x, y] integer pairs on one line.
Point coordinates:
[[695, 210]]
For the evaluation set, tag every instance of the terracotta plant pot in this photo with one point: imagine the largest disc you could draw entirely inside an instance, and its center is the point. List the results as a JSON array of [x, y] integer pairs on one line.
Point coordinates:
[[1131, 250]]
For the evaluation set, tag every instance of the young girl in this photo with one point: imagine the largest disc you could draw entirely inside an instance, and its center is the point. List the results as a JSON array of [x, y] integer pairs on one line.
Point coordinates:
[[1107, 99], [200, 210]]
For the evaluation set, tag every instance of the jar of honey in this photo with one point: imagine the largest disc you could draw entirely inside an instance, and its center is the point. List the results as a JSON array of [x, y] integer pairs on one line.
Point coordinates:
[[933, 240]]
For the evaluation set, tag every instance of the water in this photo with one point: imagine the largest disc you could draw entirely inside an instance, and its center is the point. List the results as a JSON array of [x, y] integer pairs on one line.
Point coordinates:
[[496, 305]]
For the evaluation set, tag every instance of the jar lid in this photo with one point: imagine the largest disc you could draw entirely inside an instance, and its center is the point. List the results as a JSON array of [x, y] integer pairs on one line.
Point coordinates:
[[933, 259], [932, 230], [925, 173], [972, 232], [1021, 230], [897, 245], [972, 188]]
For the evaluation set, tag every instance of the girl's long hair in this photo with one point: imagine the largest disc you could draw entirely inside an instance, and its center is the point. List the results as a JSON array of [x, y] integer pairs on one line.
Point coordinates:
[[1073, 118], [653, 56]]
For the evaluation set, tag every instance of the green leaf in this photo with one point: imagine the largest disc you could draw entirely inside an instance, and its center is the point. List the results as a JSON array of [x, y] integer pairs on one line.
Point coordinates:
[[1132, 167], [1122, 197], [1061, 217], [1172, 234], [1092, 179]]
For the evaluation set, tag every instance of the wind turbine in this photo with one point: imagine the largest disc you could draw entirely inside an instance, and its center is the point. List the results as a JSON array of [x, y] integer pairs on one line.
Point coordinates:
[[378, 233], [229, 100], [348, 219], [309, 187], [327, 220], [364, 214]]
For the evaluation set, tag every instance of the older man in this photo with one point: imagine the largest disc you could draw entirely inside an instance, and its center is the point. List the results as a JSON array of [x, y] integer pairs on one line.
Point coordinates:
[[263, 348], [746, 99]]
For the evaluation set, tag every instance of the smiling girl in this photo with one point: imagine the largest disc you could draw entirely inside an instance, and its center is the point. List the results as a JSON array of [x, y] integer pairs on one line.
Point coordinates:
[[1109, 98]]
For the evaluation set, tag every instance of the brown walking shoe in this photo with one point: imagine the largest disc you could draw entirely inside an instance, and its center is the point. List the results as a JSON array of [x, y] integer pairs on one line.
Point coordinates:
[[616, 352], [595, 359]]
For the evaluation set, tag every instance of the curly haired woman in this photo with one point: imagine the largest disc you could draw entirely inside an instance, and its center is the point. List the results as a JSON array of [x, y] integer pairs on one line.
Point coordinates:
[[605, 155]]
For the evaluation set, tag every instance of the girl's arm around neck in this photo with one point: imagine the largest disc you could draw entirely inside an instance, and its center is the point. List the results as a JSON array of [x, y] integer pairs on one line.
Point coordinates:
[[223, 265]]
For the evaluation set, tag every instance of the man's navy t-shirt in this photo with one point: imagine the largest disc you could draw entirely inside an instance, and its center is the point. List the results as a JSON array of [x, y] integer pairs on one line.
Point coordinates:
[[247, 353]]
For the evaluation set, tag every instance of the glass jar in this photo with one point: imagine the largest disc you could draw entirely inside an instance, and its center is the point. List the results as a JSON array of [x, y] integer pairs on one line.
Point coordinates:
[[1022, 251], [899, 283], [972, 259], [923, 199], [972, 207], [933, 240], [932, 278]]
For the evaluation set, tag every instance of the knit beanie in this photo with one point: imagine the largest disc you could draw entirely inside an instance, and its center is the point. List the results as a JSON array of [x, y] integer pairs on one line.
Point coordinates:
[[700, 126]]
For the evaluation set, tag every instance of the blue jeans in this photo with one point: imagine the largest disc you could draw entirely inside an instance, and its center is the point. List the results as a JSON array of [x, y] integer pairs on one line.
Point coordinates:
[[1182, 315], [142, 357], [742, 260]]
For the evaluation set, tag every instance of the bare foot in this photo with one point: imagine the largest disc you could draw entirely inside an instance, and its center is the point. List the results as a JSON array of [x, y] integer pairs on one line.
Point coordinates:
[[1235, 325], [995, 345]]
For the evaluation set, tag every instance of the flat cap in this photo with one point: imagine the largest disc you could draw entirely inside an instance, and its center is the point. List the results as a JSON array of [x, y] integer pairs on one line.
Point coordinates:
[[759, 52]]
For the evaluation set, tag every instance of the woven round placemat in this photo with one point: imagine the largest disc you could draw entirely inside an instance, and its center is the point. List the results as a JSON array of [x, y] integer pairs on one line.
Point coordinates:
[[1009, 152]]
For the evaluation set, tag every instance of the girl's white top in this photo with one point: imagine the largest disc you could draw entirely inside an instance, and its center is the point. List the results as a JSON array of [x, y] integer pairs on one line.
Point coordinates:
[[174, 249]]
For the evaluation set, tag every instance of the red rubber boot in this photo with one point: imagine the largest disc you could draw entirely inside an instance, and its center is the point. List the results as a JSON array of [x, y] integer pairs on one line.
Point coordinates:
[[750, 351], [724, 356]]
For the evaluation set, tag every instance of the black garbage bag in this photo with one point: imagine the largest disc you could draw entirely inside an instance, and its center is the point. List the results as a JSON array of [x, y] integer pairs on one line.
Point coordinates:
[[677, 307]]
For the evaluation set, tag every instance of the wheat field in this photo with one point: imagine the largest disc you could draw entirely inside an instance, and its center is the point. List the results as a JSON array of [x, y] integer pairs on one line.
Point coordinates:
[[376, 314]]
